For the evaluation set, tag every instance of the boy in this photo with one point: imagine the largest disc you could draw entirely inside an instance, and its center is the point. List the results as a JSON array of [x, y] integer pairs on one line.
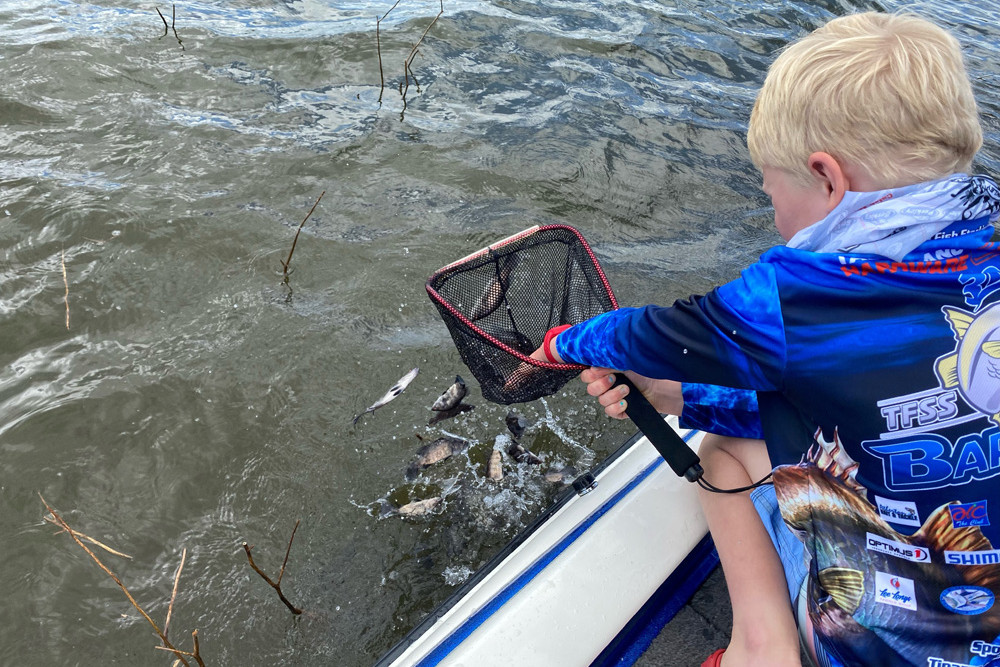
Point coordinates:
[[871, 343]]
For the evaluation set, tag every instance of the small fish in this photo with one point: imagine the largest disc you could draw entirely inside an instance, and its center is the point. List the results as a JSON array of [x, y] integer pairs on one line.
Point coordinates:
[[518, 341], [522, 455], [494, 468], [434, 452], [563, 475], [516, 423], [395, 391], [412, 509], [496, 292], [448, 414], [452, 396], [420, 507]]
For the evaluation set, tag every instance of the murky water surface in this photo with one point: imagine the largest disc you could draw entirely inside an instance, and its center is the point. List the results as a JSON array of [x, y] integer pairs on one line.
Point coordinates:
[[164, 390]]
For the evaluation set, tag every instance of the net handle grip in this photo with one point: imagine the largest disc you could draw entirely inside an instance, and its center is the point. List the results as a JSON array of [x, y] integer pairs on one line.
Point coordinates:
[[681, 458]]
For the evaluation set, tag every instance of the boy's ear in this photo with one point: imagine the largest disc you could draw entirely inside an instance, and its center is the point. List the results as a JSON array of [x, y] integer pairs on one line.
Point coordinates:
[[831, 177]]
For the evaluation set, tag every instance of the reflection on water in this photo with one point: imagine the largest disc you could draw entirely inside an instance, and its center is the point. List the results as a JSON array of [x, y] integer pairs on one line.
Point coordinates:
[[194, 402]]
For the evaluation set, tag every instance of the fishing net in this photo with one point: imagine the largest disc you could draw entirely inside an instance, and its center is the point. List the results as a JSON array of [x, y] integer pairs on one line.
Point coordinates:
[[499, 302]]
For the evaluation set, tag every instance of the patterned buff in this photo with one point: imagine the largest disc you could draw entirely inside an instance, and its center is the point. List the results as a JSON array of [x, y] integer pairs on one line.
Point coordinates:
[[893, 222]]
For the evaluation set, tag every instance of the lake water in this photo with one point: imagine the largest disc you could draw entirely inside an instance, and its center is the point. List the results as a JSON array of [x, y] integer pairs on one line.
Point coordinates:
[[164, 389]]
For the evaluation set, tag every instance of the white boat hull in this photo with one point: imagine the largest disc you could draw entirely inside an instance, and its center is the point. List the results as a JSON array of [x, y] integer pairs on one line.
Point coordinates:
[[565, 592]]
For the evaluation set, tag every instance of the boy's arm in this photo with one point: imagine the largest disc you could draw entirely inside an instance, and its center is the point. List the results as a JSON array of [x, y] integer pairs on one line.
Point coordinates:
[[732, 337], [721, 410]]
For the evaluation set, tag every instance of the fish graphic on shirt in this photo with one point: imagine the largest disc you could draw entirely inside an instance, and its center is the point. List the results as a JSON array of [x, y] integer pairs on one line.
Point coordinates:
[[822, 502], [974, 366]]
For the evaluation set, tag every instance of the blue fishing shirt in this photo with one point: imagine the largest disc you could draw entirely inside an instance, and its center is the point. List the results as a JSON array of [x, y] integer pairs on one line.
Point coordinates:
[[876, 386]]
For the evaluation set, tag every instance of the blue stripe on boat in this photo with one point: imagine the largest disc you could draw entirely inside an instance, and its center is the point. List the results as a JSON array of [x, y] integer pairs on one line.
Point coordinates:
[[460, 634]]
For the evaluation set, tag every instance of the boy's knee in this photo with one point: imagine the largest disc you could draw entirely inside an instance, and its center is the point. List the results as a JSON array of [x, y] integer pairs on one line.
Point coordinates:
[[722, 450]]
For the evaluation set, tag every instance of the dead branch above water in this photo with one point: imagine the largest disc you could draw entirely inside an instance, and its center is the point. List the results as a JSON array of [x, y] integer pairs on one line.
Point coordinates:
[[173, 24], [407, 62], [413, 52], [195, 654], [295, 240]]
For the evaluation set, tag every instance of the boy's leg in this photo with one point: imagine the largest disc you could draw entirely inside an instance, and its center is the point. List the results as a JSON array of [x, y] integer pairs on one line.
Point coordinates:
[[764, 632]]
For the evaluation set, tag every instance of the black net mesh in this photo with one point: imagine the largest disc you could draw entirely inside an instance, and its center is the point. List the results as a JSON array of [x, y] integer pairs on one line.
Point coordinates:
[[499, 303]]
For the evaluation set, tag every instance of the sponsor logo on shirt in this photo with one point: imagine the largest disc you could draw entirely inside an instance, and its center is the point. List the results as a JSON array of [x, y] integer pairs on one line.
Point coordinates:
[[984, 649], [990, 557], [895, 591], [967, 600], [964, 515], [898, 549], [941, 662], [914, 456], [929, 461], [898, 511]]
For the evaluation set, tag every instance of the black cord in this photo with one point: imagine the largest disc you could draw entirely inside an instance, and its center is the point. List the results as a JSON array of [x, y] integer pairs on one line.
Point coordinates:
[[708, 486]]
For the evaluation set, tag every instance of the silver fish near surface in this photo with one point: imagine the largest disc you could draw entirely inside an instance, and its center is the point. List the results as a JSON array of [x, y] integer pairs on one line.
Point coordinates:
[[452, 396], [496, 291], [393, 392], [412, 509], [420, 507], [494, 467], [434, 452]]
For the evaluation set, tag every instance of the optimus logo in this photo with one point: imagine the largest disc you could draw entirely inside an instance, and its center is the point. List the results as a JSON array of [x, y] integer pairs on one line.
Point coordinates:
[[897, 549], [964, 515]]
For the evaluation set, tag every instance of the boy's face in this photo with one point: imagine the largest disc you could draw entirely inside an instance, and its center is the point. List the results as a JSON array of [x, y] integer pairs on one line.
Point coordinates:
[[796, 204]]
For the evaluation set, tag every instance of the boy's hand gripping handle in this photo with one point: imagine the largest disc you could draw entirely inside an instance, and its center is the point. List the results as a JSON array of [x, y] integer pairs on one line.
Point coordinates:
[[674, 451]]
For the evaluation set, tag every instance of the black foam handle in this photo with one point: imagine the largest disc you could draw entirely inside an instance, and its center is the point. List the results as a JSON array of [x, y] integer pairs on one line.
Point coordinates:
[[671, 447]]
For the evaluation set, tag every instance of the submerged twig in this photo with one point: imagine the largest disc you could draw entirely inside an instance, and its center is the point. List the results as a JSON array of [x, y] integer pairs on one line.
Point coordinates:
[[295, 240], [276, 585], [195, 655], [66, 283]]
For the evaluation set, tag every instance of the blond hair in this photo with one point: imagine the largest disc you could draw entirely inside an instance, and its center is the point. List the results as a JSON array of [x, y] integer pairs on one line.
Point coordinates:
[[886, 93]]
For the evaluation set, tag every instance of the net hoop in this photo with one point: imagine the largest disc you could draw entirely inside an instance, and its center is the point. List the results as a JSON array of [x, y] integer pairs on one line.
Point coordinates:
[[459, 316]]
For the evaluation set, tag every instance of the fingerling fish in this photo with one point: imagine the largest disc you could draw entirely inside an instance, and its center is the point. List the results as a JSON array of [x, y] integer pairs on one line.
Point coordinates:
[[393, 392], [452, 396]]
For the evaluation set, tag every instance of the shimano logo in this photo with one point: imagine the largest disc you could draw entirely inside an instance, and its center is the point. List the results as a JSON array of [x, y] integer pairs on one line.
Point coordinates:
[[989, 557]]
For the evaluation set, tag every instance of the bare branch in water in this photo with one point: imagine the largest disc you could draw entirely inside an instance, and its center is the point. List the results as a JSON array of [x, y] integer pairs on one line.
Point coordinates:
[[378, 49], [167, 646], [173, 26], [276, 585], [288, 261], [89, 539], [413, 51], [66, 283], [173, 594], [165, 26]]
